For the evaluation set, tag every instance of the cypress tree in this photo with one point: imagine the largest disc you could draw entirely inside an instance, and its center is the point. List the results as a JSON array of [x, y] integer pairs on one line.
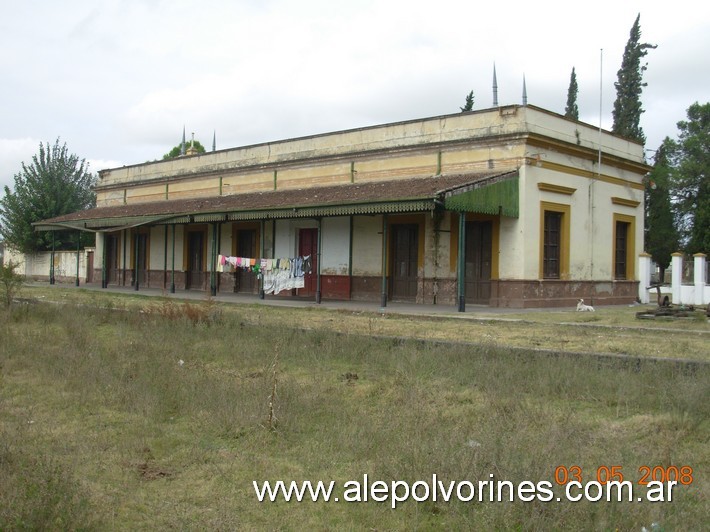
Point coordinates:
[[571, 109], [627, 107], [468, 106]]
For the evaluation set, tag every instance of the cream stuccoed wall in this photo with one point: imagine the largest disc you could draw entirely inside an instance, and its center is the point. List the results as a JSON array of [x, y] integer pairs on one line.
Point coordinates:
[[450, 144], [367, 246], [591, 224], [437, 246], [156, 244], [335, 242], [411, 133], [335, 249], [157, 248], [225, 241], [512, 244], [287, 236]]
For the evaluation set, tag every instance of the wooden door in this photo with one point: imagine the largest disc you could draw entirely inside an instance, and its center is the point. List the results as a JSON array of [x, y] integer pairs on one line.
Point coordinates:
[[405, 255], [308, 245], [89, 266], [195, 260], [479, 253], [112, 271], [142, 263], [245, 280]]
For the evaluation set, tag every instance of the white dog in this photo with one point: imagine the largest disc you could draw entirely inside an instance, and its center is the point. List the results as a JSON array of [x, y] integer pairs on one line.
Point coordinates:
[[581, 307]]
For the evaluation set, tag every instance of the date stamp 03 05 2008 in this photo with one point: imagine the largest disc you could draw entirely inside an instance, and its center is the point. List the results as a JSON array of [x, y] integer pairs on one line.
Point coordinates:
[[682, 475]]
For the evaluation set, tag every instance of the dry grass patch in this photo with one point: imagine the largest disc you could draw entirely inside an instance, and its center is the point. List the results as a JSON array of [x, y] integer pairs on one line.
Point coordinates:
[[126, 437], [611, 330]]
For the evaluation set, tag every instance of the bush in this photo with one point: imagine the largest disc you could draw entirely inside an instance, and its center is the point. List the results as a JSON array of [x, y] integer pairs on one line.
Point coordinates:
[[10, 282]]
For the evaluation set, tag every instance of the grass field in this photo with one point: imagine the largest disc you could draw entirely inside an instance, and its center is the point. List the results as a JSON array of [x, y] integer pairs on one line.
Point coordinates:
[[101, 427], [610, 330]]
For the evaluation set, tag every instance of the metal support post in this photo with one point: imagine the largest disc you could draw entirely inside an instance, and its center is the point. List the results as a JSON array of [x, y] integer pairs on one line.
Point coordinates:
[[318, 287], [51, 262], [461, 266], [383, 295], [78, 251]]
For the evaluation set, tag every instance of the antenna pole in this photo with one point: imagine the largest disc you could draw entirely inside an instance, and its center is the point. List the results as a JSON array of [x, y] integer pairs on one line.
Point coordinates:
[[601, 72], [599, 172]]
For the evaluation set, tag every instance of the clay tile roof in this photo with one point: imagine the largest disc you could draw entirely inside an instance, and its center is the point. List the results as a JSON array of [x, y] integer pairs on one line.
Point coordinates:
[[427, 189]]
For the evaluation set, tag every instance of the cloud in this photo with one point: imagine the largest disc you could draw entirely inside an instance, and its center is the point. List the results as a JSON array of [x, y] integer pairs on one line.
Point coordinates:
[[14, 153], [96, 165], [119, 80]]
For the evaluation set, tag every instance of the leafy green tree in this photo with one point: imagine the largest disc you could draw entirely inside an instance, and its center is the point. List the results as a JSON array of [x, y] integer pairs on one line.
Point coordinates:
[[691, 178], [571, 109], [661, 235], [177, 150], [468, 106], [55, 183], [627, 106]]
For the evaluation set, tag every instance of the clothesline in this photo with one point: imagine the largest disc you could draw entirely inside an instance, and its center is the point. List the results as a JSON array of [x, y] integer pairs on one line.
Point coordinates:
[[297, 266]]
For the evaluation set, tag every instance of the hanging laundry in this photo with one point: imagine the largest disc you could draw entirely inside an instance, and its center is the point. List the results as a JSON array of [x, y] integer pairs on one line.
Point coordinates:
[[277, 275], [276, 281]]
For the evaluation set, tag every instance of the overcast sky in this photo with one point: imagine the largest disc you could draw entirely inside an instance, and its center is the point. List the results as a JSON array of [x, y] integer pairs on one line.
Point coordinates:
[[118, 79]]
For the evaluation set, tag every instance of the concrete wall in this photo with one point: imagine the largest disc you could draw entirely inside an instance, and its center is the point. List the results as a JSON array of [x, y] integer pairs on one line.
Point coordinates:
[[37, 265]]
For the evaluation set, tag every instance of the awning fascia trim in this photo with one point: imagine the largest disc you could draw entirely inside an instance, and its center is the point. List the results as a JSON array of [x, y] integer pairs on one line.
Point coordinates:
[[103, 225], [335, 210]]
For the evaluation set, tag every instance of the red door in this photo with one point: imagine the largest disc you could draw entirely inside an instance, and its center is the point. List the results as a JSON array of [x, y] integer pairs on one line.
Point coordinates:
[[308, 245]]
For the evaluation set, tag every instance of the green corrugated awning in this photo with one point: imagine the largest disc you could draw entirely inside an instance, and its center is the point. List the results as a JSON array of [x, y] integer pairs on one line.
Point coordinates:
[[97, 225], [500, 196]]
